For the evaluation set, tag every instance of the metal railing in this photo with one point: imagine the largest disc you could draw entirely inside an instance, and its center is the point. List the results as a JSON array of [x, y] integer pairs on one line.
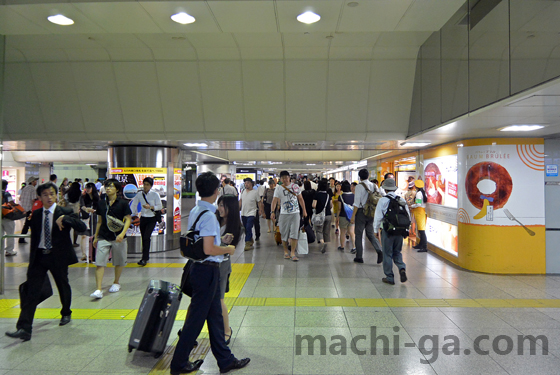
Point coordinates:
[[3, 256]]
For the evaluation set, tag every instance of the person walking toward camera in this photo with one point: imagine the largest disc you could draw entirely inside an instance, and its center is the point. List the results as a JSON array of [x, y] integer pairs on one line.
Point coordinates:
[[113, 220], [151, 203], [205, 280]]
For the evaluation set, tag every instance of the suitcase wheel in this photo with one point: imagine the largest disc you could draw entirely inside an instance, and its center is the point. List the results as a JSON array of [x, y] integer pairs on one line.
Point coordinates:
[[179, 332], [157, 355], [130, 348]]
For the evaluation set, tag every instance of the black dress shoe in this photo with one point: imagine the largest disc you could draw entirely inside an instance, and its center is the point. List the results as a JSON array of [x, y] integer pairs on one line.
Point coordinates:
[[235, 365], [65, 320], [21, 240], [190, 367], [403, 275], [142, 263], [416, 247], [20, 334], [379, 257], [387, 281], [422, 251], [358, 260]]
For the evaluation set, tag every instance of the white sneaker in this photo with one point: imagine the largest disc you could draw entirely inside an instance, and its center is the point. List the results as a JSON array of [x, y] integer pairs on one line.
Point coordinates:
[[97, 294], [9, 254], [114, 288]]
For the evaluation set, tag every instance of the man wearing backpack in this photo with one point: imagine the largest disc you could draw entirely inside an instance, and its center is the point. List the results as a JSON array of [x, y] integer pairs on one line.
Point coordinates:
[[392, 212], [364, 218]]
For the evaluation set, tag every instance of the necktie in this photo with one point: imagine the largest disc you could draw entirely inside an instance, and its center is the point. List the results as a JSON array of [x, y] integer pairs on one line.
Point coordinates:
[[47, 231]]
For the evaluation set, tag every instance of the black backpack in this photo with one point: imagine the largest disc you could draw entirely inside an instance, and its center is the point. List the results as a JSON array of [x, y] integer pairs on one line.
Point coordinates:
[[190, 247], [396, 220]]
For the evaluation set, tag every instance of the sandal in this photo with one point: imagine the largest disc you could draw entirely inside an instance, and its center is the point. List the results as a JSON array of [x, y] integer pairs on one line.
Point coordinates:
[[84, 258], [287, 256], [294, 258]]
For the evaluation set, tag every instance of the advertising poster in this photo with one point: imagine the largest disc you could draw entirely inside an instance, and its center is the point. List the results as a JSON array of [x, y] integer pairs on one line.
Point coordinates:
[[443, 235], [10, 176], [502, 185], [177, 182], [440, 176], [132, 180]]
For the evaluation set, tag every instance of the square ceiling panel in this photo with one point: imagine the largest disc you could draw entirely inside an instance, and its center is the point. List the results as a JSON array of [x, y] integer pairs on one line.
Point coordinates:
[[379, 15], [222, 40], [12, 22], [244, 16], [258, 39], [120, 17], [428, 15]]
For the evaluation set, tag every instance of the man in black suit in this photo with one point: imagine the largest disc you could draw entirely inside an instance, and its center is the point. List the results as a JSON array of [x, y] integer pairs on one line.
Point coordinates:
[[51, 250]]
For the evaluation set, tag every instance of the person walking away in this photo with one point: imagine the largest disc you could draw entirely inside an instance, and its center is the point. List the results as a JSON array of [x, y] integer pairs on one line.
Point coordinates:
[[228, 218], [308, 195], [8, 226], [419, 211], [267, 203], [205, 279], [362, 221], [51, 250], [151, 203], [88, 205], [248, 207], [346, 229], [289, 198], [27, 197], [392, 212], [322, 202], [113, 220]]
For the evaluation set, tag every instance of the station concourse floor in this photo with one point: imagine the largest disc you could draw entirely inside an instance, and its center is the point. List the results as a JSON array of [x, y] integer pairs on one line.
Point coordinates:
[[274, 301]]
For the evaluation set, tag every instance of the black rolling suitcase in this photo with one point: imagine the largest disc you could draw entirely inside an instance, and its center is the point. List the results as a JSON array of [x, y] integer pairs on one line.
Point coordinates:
[[155, 318]]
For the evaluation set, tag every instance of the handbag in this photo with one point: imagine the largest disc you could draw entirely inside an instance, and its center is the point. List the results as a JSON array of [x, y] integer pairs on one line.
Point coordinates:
[[302, 244], [157, 214], [186, 286], [319, 218], [191, 247], [310, 233], [45, 292]]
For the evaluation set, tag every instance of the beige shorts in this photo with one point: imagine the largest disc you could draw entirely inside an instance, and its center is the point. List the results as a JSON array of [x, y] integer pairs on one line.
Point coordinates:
[[119, 251], [343, 222]]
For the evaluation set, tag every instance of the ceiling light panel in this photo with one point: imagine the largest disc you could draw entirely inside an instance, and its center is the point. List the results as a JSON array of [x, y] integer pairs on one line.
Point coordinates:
[[289, 10], [38, 13], [160, 11], [183, 18], [308, 17], [61, 20], [521, 128]]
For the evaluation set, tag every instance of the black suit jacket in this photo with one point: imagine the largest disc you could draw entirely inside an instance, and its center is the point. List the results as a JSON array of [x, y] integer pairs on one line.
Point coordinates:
[[61, 242]]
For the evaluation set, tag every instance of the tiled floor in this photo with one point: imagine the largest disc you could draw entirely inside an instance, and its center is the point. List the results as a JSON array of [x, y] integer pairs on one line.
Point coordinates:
[[433, 324]]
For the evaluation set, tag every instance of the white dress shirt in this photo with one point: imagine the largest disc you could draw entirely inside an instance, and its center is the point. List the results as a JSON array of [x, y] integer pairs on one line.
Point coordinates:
[[153, 200], [46, 212]]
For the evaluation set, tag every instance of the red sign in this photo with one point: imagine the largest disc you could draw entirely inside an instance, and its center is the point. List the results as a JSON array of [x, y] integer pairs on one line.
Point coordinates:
[[452, 189]]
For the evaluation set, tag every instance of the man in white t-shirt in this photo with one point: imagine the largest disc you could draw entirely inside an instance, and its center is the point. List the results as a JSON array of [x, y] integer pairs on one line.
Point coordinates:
[[288, 196], [248, 205]]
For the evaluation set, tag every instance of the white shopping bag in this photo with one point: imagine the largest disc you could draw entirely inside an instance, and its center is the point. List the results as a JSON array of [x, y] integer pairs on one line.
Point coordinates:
[[302, 245]]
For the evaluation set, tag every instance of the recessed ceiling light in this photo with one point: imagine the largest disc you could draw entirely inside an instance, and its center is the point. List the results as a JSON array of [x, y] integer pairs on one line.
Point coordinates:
[[521, 128], [415, 144], [308, 17], [196, 144], [61, 20], [183, 18]]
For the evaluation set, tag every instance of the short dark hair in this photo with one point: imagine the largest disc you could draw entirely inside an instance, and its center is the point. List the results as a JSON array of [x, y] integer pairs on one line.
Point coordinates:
[[4, 184], [345, 186], [149, 180], [116, 183], [206, 184], [53, 177], [363, 174], [284, 173], [271, 181], [322, 185], [227, 181], [387, 175], [375, 181], [331, 178], [46, 186]]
